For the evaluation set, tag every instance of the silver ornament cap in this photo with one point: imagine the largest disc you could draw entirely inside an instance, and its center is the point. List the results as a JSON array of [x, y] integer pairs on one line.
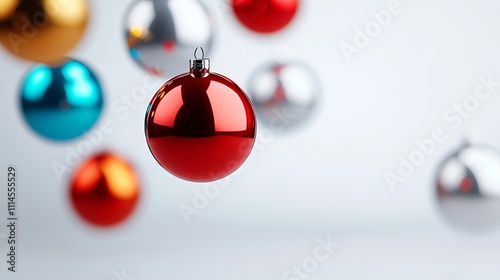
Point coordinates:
[[199, 67]]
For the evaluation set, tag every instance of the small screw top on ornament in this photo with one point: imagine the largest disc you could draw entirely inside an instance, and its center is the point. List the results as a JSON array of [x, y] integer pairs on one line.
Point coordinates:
[[199, 68]]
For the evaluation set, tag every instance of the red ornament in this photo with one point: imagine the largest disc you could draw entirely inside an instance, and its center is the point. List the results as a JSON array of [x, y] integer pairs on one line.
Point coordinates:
[[200, 126], [265, 16], [104, 190]]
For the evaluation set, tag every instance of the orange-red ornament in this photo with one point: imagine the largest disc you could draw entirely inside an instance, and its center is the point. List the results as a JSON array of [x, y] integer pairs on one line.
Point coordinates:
[[105, 190]]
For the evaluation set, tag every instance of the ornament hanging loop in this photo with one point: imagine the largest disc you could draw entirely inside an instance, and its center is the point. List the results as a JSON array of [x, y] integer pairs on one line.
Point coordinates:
[[199, 67], [202, 52]]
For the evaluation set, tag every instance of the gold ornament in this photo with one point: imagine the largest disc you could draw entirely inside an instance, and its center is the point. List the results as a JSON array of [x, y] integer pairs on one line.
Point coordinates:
[[42, 30]]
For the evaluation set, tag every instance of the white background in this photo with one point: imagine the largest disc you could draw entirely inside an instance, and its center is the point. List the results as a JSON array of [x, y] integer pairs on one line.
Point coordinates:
[[326, 179]]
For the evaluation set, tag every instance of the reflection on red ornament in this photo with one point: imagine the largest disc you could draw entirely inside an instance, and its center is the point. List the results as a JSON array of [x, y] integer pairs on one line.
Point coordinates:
[[104, 190], [200, 126], [265, 16]]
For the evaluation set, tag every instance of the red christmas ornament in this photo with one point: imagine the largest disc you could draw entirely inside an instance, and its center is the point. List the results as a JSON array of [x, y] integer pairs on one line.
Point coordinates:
[[104, 190], [200, 126], [265, 16]]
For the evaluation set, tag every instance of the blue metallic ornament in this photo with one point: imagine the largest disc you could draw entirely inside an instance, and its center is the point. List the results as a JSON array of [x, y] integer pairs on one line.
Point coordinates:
[[61, 102]]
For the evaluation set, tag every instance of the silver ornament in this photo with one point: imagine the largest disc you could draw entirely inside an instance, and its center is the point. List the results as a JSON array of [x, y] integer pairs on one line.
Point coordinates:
[[468, 188], [284, 95], [162, 34]]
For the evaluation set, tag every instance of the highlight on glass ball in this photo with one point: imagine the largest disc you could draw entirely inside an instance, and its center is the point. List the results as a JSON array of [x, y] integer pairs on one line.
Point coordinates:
[[42, 31], [284, 95], [105, 190], [468, 188], [200, 126], [161, 34], [265, 16], [61, 102]]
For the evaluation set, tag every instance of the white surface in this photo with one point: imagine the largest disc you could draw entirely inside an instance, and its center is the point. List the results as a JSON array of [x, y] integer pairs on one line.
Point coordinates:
[[326, 179]]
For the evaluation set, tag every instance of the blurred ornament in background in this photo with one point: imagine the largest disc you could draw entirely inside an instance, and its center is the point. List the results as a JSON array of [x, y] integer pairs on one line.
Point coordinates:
[[161, 34], [468, 188], [61, 102], [265, 16], [284, 95], [200, 126], [42, 31], [104, 190]]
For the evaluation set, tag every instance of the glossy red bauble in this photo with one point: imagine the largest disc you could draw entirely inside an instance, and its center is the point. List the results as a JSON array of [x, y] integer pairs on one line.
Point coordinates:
[[265, 16], [104, 190], [200, 126]]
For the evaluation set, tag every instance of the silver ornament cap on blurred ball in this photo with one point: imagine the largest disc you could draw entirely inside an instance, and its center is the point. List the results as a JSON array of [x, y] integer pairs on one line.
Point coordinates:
[[161, 34], [468, 188], [284, 94]]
